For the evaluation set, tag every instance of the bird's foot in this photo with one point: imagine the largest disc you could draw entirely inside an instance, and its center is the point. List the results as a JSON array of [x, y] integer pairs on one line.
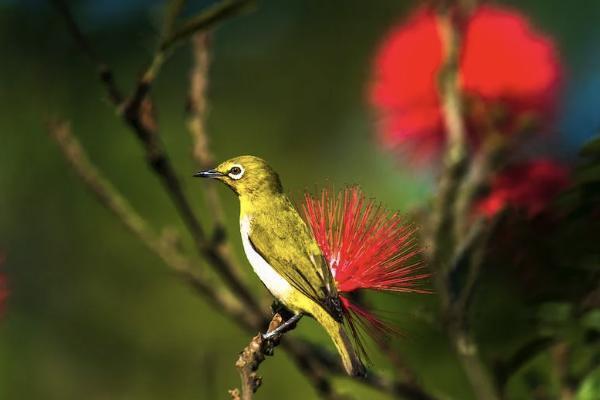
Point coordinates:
[[287, 325]]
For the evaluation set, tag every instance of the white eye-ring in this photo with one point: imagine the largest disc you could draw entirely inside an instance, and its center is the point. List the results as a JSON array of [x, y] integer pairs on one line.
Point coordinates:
[[236, 172]]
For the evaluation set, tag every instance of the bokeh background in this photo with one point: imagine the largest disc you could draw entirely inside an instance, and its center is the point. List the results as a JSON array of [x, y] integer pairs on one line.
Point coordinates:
[[92, 314]]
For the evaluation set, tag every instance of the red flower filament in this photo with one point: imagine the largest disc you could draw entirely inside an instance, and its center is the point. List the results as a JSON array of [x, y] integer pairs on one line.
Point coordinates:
[[366, 247]]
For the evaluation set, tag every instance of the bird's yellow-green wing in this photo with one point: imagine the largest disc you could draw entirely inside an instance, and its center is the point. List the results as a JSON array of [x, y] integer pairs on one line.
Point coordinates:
[[284, 241]]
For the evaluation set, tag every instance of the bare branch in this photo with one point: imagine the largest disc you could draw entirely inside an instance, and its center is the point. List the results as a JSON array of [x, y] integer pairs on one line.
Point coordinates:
[[506, 368], [253, 355], [403, 370], [205, 20], [172, 11], [489, 159], [315, 359], [110, 198], [104, 72], [138, 112], [197, 107], [443, 224]]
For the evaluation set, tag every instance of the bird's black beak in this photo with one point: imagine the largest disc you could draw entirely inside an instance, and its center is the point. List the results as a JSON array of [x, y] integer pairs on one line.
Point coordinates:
[[209, 173]]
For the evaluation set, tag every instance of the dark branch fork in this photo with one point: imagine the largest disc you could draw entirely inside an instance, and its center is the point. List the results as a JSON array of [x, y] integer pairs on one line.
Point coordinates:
[[137, 111]]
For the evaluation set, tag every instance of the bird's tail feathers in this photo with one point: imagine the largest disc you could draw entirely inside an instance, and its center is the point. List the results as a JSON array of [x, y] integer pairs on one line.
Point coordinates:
[[351, 359]]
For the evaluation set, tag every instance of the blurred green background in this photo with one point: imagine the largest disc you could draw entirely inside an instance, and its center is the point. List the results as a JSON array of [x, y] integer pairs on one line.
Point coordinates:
[[92, 314]]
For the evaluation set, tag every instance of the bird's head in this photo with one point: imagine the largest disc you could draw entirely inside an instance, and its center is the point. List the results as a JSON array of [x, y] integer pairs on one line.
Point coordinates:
[[245, 175]]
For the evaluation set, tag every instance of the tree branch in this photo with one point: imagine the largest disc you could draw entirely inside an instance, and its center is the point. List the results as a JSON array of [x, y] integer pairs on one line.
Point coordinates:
[[444, 223], [197, 109], [111, 199], [105, 74], [489, 159], [507, 368], [330, 362], [252, 356], [137, 111], [205, 20]]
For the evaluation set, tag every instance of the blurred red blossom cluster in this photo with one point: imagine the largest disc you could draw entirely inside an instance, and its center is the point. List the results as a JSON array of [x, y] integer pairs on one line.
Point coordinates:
[[529, 186], [508, 75], [504, 66]]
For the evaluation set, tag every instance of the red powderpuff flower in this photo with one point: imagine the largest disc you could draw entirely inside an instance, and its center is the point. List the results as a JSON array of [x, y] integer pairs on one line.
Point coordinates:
[[405, 91], [530, 187], [503, 61], [366, 247]]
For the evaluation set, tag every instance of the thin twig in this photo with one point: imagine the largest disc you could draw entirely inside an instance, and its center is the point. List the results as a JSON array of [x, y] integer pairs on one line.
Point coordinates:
[[440, 239], [489, 159], [469, 257], [255, 352], [110, 198], [319, 360], [309, 359], [506, 368], [197, 107], [253, 355], [205, 20], [402, 369], [137, 111], [105, 74], [443, 235]]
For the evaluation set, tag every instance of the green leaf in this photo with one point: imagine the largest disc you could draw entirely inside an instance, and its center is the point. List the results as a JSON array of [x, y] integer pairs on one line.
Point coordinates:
[[590, 387], [592, 320]]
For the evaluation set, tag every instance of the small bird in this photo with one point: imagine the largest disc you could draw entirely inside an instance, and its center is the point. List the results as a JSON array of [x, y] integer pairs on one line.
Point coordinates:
[[284, 252]]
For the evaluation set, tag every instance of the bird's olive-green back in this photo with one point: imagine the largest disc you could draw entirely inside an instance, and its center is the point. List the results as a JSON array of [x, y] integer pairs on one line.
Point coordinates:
[[280, 236]]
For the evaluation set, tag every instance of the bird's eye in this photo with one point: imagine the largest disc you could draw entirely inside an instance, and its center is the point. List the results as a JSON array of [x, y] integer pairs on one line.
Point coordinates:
[[236, 172]]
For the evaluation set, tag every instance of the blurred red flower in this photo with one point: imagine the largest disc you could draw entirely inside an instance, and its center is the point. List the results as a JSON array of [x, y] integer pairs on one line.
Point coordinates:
[[405, 91], [505, 59], [503, 62], [530, 187], [366, 247]]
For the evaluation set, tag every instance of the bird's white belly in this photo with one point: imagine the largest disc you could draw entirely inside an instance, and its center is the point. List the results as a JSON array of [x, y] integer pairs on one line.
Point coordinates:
[[277, 285]]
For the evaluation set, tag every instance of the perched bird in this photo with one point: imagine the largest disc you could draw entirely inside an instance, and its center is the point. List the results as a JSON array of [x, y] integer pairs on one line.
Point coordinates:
[[284, 252], [313, 265]]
